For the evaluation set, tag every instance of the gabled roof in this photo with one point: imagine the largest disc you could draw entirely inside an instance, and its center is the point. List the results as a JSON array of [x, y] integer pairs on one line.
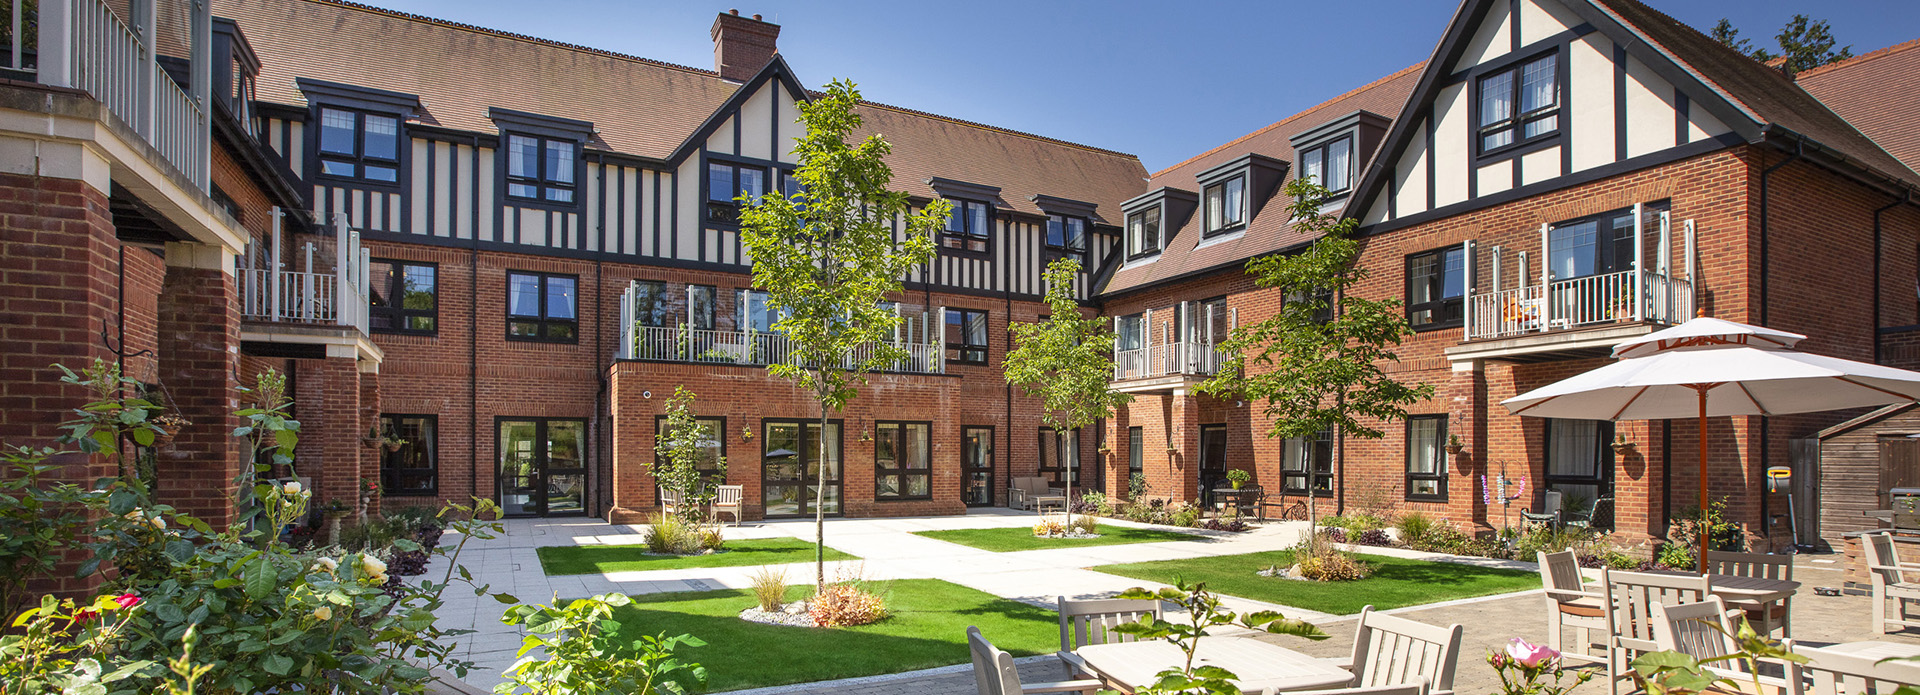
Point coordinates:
[[1879, 93], [1270, 230]]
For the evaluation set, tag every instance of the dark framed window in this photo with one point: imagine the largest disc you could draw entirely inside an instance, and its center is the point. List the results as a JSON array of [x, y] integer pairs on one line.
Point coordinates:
[[1596, 245], [405, 297], [1330, 165], [1225, 206], [727, 183], [1519, 105], [1427, 458], [1060, 452], [976, 465], [1307, 463], [700, 307], [902, 461], [1436, 288], [966, 336], [1066, 236], [359, 145], [753, 313], [1136, 446], [1323, 303], [650, 305], [969, 226], [1143, 233], [540, 306], [413, 468], [1579, 462], [541, 168], [713, 445]]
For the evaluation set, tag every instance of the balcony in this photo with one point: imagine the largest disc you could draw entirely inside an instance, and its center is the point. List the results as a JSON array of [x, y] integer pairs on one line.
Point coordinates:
[[329, 289], [750, 348], [1571, 318], [1179, 364]]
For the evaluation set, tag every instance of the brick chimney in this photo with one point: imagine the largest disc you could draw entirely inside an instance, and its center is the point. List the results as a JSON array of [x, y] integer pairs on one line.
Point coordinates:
[[742, 46]]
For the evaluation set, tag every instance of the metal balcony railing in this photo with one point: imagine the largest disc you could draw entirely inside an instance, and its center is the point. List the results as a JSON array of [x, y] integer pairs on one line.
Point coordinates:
[[1196, 358], [336, 297], [1629, 296]]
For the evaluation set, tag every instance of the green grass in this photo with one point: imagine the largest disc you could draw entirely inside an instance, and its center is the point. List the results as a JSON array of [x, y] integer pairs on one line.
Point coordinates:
[[928, 628], [1396, 582], [594, 559], [1004, 540]]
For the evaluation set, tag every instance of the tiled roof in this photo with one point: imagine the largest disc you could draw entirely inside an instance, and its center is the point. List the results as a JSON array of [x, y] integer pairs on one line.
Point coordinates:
[[1270, 230], [639, 106], [1766, 93], [1879, 93]]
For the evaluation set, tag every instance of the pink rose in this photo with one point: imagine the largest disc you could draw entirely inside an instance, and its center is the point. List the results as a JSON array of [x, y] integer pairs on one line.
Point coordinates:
[[1530, 655], [1497, 660]]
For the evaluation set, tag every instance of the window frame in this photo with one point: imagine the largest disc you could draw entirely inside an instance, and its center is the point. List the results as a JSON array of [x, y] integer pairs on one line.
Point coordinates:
[[359, 159], [1053, 251], [543, 321], [967, 469], [1321, 444], [543, 180], [1136, 451], [396, 299], [1457, 304], [1325, 150], [770, 179], [985, 348], [1130, 234], [966, 235], [713, 307], [388, 423], [1057, 473], [901, 472], [1442, 468], [706, 475], [1211, 227], [1604, 460], [1517, 121]]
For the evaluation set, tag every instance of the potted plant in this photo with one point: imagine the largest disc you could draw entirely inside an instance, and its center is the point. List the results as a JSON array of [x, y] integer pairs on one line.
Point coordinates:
[[1239, 478], [1620, 445], [391, 443], [169, 425], [1454, 447], [372, 440]]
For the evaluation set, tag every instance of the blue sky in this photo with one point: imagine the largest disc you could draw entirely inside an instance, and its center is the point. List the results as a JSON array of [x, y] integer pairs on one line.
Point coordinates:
[[1164, 81]]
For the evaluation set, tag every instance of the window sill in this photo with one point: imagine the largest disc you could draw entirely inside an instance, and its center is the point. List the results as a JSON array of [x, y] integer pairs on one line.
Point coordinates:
[[542, 204], [1429, 328], [881, 500], [1442, 499], [1506, 152], [336, 179], [411, 494], [415, 334]]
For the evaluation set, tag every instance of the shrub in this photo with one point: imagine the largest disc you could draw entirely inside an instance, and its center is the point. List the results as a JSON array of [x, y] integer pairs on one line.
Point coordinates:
[[712, 539], [1095, 503], [672, 535], [1137, 486], [1334, 533], [1085, 524], [1049, 527], [585, 653], [1137, 512], [770, 587], [1413, 527], [414, 517], [407, 563], [1334, 566], [1233, 523], [1674, 556], [1363, 521], [1186, 517], [1441, 537], [846, 605], [1373, 537]]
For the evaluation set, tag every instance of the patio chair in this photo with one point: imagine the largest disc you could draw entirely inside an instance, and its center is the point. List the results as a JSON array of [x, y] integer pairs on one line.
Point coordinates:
[[1833, 673], [1549, 513], [670, 502], [1419, 688], [1702, 630], [1765, 617], [1598, 517], [994, 672], [1891, 580], [1630, 619], [727, 500], [1394, 651], [1025, 492], [1570, 604], [1093, 622]]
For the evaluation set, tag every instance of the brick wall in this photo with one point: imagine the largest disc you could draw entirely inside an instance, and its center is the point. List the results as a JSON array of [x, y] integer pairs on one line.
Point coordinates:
[[199, 361]]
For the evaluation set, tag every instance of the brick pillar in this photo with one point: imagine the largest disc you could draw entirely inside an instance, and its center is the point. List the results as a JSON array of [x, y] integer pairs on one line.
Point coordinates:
[[1465, 394], [330, 448], [200, 364], [368, 416], [633, 424], [1183, 424], [1116, 460]]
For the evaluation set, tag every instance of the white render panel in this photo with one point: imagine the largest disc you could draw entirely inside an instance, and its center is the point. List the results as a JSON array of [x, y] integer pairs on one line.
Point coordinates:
[[297, 138], [722, 138], [787, 116], [1490, 41], [1542, 19], [275, 127], [1650, 114], [487, 206], [632, 227], [1410, 174], [1377, 211], [1538, 166], [418, 225], [1495, 177], [532, 224], [443, 189], [756, 123], [686, 223], [1702, 125], [1450, 143], [591, 226], [463, 192], [1591, 101]]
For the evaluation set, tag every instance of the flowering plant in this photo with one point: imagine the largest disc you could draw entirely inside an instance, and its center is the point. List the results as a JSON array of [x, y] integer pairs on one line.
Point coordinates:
[[1523, 666], [1503, 491], [59, 646]]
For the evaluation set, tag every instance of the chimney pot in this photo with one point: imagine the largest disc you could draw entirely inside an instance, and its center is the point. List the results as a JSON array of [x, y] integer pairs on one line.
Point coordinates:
[[734, 12], [742, 46], [756, 18]]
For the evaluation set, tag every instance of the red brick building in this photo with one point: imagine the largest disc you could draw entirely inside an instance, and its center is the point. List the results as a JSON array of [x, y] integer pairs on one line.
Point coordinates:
[[510, 269]]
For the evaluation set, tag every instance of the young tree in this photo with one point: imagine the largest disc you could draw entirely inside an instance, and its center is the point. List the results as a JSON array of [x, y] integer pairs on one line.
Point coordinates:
[[828, 258], [678, 453], [1319, 363], [1067, 361], [1805, 43]]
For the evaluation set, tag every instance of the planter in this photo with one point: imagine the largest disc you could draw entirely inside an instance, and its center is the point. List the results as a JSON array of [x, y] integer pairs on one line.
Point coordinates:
[[1455, 449]]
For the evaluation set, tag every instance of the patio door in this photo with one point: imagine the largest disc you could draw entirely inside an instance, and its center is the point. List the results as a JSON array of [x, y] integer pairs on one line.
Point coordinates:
[[542, 466], [1213, 459], [790, 468], [1579, 462], [976, 466]]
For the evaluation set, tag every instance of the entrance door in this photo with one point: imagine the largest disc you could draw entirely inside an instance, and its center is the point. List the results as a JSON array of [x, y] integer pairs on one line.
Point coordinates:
[[790, 468], [543, 466], [976, 465], [1213, 460]]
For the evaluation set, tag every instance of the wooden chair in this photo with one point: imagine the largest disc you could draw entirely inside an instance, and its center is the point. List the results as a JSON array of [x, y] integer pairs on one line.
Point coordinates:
[[1093, 622], [1025, 492], [1630, 618], [1891, 580], [1570, 604], [727, 500], [670, 502], [1765, 617], [1393, 651], [1833, 673], [994, 672], [1702, 630], [1419, 688]]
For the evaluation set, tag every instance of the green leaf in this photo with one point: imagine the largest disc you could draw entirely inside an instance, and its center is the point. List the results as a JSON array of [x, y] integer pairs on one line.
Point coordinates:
[[260, 579], [143, 436], [277, 664], [506, 598]]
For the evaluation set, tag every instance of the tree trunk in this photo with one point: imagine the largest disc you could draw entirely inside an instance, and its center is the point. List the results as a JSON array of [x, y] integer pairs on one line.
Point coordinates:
[[819, 508]]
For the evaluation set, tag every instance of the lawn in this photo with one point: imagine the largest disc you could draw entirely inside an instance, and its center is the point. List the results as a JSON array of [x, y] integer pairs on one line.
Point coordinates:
[[928, 628], [594, 559], [1004, 540], [1395, 583]]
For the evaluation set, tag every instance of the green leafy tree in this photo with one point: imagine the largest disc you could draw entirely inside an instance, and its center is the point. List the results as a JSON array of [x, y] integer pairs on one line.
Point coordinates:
[[681, 451], [1805, 43], [1066, 361], [828, 258], [1319, 364]]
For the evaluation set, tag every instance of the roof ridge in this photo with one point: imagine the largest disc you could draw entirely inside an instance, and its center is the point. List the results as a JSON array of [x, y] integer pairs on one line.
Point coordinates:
[[985, 126], [1870, 55], [1349, 93], [1674, 54], [511, 35]]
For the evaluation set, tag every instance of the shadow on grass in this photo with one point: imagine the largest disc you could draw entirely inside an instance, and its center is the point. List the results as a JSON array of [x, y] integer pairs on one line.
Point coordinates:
[[1396, 582], [601, 559]]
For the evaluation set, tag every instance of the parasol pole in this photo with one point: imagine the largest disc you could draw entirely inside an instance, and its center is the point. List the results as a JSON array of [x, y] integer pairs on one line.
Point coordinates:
[[1704, 528]]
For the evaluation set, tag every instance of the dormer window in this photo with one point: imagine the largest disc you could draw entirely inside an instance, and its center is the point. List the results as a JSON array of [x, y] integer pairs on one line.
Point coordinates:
[[1226, 205], [1520, 104], [969, 226], [726, 184], [1143, 232], [1330, 165], [541, 168], [359, 145], [357, 134], [1066, 236]]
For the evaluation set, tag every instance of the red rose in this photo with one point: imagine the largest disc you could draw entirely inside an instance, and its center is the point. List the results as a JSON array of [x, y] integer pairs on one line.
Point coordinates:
[[127, 600], [86, 615]]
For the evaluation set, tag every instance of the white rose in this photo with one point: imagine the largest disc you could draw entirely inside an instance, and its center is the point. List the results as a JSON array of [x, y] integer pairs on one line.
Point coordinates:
[[135, 515], [323, 613], [291, 489], [159, 523], [372, 565], [328, 564]]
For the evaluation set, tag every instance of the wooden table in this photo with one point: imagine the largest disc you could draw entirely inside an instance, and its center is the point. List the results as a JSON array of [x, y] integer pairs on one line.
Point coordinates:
[[1737, 588], [1131, 666], [1874, 649]]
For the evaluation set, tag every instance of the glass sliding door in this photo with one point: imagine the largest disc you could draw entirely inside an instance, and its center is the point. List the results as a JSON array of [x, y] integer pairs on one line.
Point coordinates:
[[976, 465], [790, 468], [1213, 459], [1579, 462], [543, 466]]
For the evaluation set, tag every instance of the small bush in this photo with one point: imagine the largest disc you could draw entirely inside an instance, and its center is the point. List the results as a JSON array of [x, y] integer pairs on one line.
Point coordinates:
[[1334, 566], [770, 587], [1049, 527], [1228, 524], [672, 535], [1085, 524], [408, 563], [415, 517], [846, 605], [1413, 527], [1362, 521], [1334, 533], [1441, 537], [1373, 537], [1137, 486], [712, 539], [1096, 503], [1674, 556], [1185, 517]]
